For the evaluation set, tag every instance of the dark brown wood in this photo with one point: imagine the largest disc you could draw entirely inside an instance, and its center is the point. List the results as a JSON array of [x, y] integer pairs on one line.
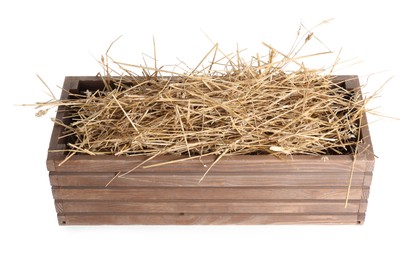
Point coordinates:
[[205, 219], [245, 189]]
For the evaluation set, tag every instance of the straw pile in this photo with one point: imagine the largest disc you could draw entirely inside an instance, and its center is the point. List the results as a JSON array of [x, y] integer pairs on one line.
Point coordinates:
[[225, 106]]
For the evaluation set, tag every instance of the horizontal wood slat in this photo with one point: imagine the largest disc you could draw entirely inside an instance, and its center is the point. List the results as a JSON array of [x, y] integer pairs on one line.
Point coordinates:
[[188, 180], [239, 163], [208, 207], [206, 219], [155, 193]]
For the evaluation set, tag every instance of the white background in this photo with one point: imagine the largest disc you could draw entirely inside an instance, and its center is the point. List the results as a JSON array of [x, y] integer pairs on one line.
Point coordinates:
[[55, 39]]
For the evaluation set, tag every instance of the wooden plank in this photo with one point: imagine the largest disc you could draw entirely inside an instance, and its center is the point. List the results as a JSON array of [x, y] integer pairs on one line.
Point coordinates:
[[351, 81], [221, 206], [238, 193], [204, 219], [363, 206], [365, 193], [229, 164], [367, 150], [211, 180]]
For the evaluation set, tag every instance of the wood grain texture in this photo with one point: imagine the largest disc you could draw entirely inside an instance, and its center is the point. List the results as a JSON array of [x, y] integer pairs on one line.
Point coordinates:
[[204, 219], [229, 164], [211, 180], [246, 193], [221, 206]]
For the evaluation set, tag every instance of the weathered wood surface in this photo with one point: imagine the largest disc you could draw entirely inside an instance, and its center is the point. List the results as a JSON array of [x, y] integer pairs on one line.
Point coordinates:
[[229, 164], [206, 219], [209, 206], [65, 179], [218, 193]]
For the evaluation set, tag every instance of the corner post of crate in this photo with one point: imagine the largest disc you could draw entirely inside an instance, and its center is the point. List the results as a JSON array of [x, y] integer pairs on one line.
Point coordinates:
[[62, 219], [367, 152]]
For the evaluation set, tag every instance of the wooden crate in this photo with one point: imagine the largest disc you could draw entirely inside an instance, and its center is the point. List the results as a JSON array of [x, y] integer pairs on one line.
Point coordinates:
[[245, 189]]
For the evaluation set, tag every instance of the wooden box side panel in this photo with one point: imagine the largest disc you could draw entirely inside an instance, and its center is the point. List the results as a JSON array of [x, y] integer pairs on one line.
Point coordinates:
[[200, 205]]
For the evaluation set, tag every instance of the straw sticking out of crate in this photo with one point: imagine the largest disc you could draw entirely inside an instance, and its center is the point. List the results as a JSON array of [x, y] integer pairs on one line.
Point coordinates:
[[225, 106]]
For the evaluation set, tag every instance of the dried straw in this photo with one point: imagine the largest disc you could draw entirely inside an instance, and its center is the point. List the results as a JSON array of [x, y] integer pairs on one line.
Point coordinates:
[[225, 106]]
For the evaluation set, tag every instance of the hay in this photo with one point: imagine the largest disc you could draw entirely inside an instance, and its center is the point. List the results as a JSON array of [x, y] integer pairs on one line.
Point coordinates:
[[224, 105]]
